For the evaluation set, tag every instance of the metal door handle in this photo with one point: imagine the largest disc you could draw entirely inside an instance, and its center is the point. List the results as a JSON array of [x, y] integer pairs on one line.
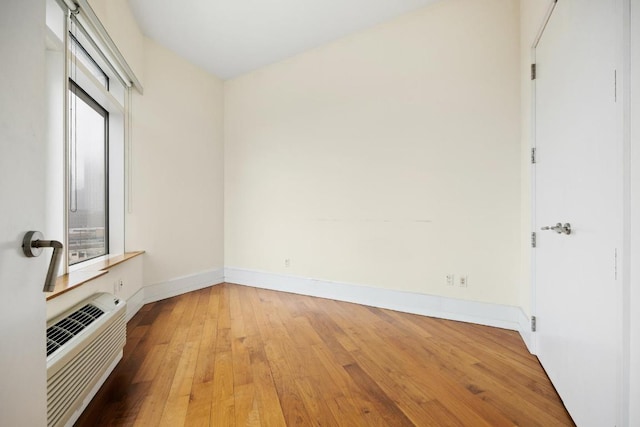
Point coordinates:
[[559, 228], [32, 245]]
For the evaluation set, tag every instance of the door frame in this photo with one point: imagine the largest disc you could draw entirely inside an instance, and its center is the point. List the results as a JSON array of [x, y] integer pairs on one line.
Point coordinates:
[[629, 26], [624, 258], [532, 169]]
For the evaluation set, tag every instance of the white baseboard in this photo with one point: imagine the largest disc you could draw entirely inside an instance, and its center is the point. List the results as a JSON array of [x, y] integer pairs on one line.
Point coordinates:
[[172, 288], [501, 316], [181, 285], [135, 303]]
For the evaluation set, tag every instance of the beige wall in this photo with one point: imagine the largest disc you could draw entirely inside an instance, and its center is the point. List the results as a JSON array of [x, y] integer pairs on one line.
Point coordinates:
[[389, 158], [177, 205], [532, 15]]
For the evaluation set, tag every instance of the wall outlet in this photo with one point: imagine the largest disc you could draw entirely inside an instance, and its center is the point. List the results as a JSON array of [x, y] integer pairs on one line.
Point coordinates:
[[287, 263], [450, 279], [117, 286], [463, 280]]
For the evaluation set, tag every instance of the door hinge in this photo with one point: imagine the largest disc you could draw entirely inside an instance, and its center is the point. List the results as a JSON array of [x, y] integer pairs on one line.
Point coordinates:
[[533, 71], [533, 323], [533, 156], [533, 239]]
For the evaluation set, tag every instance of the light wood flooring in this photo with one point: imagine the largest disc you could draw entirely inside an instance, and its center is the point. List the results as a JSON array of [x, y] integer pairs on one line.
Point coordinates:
[[231, 355]]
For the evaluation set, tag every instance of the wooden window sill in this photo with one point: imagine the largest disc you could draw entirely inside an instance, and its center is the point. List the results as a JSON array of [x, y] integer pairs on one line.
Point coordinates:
[[70, 281]]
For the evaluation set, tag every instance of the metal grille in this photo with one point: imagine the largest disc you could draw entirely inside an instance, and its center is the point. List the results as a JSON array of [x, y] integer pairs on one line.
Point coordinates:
[[67, 328]]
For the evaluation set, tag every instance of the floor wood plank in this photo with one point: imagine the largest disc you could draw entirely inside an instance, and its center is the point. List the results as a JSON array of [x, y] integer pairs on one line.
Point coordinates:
[[232, 355]]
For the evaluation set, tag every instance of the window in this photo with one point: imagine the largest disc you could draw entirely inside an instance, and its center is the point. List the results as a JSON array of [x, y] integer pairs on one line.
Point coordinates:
[[79, 53], [88, 101], [88, 148]]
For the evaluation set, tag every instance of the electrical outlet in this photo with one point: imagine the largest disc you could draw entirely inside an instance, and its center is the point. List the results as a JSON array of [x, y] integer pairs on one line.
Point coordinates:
[[287, 263], [450, 279], [463, 281], [117, 286]]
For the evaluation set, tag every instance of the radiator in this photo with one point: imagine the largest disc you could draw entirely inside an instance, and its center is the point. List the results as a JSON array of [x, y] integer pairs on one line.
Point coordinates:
[[83, 345]]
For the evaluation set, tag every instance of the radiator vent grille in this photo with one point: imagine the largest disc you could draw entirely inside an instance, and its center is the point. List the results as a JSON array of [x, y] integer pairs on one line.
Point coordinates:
[[83, 345], [70, 326]]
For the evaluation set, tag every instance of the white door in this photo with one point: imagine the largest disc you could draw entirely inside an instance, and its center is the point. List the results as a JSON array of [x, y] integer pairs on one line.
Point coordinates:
[[22, 306], [578, 181]]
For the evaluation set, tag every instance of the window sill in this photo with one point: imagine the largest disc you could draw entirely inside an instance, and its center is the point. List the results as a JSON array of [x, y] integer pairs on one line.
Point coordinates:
[[77, 278]]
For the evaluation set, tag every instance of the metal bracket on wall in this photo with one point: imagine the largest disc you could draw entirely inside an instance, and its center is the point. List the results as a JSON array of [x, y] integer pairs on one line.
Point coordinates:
[[533, 71]]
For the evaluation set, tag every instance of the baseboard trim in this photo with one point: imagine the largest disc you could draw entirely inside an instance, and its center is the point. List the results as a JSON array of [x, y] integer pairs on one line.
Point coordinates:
[[500, 316], [182, 285], [135, 303], [172, 288], [496, 315]]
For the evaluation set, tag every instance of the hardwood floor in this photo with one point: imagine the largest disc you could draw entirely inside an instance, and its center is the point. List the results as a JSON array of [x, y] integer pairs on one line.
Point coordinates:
[[238, 356]]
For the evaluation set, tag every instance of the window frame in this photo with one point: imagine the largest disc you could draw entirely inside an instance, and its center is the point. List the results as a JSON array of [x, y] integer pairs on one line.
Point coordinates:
[[64, 59], [77, 90]]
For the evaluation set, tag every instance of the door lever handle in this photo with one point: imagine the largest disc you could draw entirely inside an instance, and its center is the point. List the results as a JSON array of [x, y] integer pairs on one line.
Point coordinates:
[[32, 245], [559, 228]]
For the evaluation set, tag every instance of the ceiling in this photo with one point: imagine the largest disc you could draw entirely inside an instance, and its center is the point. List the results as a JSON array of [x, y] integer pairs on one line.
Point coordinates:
[[232, 37]]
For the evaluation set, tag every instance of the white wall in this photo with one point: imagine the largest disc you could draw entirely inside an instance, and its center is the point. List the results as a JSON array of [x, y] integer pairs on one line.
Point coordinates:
[[54, 97], [22, 206], [388, 158]]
